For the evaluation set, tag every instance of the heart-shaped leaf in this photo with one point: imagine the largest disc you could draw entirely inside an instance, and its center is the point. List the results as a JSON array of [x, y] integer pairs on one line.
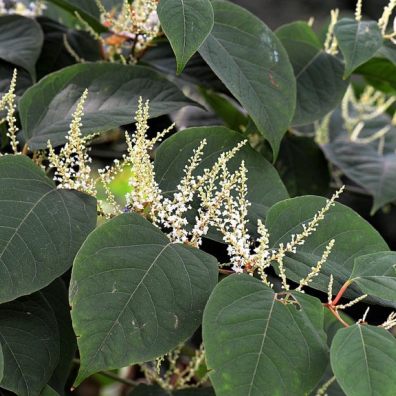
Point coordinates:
[[187, 24], [32, 211], [135, 295], [358, 41], [366, 353], [353, 237], [21, 40], [270, 344], [46, 109], [375, 274], [320, 86], [252, 63], [30, 340]]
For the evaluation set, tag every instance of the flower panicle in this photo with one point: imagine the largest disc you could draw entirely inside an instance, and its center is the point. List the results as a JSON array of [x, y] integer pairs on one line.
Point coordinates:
[[72, 163], [331, 43], [7, 102], [315, 271]]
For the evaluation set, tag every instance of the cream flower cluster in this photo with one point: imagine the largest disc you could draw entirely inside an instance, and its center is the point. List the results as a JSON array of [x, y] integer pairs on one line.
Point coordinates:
[[72, 163], [7, 104], [35, 8]]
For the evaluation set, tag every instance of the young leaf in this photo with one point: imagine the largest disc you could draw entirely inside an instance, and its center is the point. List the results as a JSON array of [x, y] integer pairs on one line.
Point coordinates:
[[375, 274], [21, 40], [41, 227], [268, 346], [46, 109], [353, 237], [363, 359], [358, 41], [254, 66], [134, 295], [187, 24], [265, 187], [30, 340], [320, 86]]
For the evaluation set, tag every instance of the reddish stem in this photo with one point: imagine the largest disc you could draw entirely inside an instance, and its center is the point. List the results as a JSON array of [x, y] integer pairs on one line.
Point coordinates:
[[341, 293]]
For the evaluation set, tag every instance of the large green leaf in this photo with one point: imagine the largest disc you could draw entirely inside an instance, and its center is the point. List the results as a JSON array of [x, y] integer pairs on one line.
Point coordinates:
[[375, 274], [353, 237], [254, 66], [134, 295], [320, 86], [21, 40], [363, 359], [41, 227], [267, 346], [265, 187], [57, 296], [358, 41], [187, 24], [30, 340], [46, 109]]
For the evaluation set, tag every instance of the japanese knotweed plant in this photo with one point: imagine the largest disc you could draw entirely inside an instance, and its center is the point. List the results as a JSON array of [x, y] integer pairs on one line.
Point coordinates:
[[176, 262]]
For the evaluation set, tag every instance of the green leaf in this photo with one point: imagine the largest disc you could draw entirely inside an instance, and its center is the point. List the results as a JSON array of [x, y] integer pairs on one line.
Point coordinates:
[[155, 390], [46, 109], [33, 251], [21, 40], [353, 237], [358, 41], [57, 296], [87, 9], [363, 359], [134, 295], [187, 24], [375, 274], [320, 84], [265, 187], [253, 65], [30, 340], [268, 346]]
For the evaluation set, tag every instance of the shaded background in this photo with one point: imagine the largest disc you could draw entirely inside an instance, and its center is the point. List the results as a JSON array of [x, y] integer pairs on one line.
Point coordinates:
[[278, 12]]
